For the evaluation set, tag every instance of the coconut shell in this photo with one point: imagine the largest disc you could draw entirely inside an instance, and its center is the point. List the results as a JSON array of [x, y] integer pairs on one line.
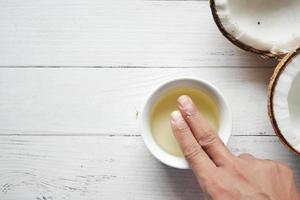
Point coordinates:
[[274, 79], [235, 41]]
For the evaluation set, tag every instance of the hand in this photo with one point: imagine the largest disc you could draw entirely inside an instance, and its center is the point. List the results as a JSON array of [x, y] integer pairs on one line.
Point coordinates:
[[221, 174]]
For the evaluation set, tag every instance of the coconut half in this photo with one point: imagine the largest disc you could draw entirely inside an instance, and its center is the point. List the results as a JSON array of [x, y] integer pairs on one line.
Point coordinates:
[[267, 27], [284, 101]]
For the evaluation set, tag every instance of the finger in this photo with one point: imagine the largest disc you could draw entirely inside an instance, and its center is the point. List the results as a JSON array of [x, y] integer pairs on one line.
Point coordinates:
[[246, 156], [203, 132], [197, 158]]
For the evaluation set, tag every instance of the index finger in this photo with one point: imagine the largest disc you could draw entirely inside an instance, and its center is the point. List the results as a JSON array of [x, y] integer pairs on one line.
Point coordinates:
[[203, 132], [197, 158]]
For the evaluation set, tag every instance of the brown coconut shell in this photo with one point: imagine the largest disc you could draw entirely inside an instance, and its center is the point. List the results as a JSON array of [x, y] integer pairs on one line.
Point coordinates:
[[272, 85], [242, 45]]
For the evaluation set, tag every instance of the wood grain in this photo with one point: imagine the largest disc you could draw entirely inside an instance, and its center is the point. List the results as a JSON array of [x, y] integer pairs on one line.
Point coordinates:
[[108, 101], [115, 33], [89, 167]]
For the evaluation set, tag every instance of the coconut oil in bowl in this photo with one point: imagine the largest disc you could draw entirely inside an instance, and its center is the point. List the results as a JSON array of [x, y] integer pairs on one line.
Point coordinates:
[[155, 118], [160, 116]]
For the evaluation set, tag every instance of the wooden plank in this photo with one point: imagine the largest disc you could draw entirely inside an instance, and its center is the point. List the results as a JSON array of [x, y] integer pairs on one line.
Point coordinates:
[[115, 33], [84, 167], [108, 101]]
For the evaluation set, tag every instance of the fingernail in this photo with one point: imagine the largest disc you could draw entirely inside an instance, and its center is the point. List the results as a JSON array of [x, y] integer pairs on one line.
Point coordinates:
[[186, 104], [177, 119]]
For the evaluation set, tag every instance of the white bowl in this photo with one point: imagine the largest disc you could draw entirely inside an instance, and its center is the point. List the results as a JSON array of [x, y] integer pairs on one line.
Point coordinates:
[[225, 117]]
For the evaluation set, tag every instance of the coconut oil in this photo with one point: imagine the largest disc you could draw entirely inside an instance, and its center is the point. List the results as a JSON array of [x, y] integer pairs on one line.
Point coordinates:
[[161, 111]]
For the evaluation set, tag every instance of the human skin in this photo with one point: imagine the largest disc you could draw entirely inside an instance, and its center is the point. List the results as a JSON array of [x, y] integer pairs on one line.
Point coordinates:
[[222, 175]]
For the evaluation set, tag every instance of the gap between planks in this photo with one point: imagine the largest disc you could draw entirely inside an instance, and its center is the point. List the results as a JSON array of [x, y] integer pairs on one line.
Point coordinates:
[[75, 101], [115, 33], [141, 67], [109, 135]]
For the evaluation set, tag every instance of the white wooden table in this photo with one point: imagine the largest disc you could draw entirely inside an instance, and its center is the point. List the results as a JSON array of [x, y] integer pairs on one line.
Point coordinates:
[[73, 77]]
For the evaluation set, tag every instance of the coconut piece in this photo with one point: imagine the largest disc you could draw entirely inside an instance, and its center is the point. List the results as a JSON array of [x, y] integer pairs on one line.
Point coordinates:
[[284, 101], [267, 27]]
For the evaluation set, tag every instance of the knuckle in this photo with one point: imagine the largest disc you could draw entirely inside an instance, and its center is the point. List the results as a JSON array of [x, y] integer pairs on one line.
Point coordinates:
[[274, 165], [246, 156], [192, 151], [270, 164], [286, 173], [208, 138], [284, 168], [277, 167], [191, 113], [183, 128]]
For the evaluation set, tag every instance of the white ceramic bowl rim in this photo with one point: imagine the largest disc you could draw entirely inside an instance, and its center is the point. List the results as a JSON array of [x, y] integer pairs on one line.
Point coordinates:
[[225, 117]]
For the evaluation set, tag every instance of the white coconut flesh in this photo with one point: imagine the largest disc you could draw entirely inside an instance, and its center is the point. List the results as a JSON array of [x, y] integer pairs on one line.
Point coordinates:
[[286, 103], [265, 25]]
